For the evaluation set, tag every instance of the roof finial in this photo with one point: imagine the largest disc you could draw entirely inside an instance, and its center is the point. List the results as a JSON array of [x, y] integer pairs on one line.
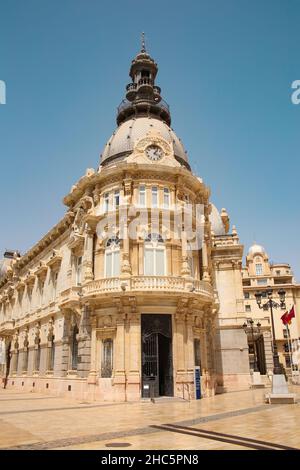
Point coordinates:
[[143, 49]]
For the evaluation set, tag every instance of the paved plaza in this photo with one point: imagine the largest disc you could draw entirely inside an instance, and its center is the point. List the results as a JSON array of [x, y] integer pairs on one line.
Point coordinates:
[[238, 420]]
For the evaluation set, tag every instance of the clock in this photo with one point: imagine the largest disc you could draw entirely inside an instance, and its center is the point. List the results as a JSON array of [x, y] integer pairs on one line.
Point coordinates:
[[154, 152]]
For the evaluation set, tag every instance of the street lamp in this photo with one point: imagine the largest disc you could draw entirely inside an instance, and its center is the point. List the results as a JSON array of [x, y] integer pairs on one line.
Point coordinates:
[[269, 305], [248, 327]]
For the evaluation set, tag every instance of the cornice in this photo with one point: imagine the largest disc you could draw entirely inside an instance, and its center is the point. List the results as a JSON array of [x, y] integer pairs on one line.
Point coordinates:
[[122, 171], [54, 233]]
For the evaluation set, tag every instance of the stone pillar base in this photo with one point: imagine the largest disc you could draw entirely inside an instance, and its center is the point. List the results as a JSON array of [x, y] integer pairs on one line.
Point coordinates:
[[280, 399], [92, 378], [256, 381], [233, 382], [119, 387], [133, 387]]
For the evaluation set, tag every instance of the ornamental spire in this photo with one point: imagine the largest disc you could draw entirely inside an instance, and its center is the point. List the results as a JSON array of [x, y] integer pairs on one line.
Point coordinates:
[[143, 96], [143, 49]]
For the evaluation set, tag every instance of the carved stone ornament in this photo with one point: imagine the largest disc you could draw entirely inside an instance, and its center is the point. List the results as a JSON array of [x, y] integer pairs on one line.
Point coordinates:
[[50, 329], [153, 139]]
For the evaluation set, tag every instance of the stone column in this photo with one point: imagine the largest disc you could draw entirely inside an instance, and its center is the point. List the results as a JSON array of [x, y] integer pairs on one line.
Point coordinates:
[[189, 355], [84, 343], [206, 276], [119, 380], [13, 362], [63, 368], [88, 255], [190, 360], [133, 387], [180, 354], [92, 377], [209, 340]]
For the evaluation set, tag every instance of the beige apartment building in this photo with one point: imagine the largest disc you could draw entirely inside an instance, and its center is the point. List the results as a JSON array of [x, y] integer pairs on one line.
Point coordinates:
[[118, 301], [260, 275]]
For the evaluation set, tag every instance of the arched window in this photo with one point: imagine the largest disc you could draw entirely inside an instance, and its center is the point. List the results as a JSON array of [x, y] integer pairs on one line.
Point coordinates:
[[154, 258], [74, 348], [112, 257]]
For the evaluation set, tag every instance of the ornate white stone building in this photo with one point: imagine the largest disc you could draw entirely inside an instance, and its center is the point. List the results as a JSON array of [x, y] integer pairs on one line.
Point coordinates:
[[112, 304]]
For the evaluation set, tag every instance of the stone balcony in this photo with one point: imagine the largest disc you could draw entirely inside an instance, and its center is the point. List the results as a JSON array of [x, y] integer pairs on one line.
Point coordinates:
[[6, 327], [70, 297], [148, 284]]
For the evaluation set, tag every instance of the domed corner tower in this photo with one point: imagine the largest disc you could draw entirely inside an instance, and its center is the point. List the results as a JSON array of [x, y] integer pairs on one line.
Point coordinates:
[[148, 279], [144, 120]]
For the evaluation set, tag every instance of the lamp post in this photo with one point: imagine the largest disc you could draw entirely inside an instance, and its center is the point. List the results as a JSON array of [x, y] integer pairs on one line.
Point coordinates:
[[248, 328], [270, 305]]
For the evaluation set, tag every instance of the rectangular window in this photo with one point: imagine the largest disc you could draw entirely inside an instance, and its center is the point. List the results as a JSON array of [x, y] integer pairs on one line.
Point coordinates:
[[246, 295], [154, 196], [258, 269], [248, 308], [41, 291], [166, 198], [112, 263], [108, 265], [154, 261], [106, 202], [149, 262], [160, 262], [37, 358], [107, 358], [285, 334], [116, 199], [116, 264], [55, 277], [262, 282], [142, 196]]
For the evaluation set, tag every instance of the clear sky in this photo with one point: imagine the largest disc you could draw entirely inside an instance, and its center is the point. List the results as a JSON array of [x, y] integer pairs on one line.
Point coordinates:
[[225, 68]]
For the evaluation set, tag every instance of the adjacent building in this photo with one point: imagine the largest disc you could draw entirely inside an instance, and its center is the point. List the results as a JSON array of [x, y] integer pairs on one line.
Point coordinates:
[[260, 275]]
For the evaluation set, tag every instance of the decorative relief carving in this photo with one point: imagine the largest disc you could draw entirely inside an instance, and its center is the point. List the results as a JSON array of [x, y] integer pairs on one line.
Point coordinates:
[[151, 139]]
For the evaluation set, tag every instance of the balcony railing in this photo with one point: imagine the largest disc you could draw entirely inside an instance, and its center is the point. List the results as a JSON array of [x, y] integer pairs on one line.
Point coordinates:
[[125, 104], [148, 283], [110, 284]]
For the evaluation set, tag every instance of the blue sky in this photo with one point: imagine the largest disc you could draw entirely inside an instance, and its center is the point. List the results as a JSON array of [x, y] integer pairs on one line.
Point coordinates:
[[225, 68]]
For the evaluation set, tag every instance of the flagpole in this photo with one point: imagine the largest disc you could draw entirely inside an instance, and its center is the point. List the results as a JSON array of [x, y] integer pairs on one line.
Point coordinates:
[[290, 346]]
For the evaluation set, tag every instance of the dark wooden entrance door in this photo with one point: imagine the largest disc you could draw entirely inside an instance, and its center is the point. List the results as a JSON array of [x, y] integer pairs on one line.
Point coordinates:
[[157, 364]]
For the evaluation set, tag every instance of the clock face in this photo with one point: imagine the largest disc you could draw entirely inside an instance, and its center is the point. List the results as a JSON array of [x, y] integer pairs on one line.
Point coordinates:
[[154, 152]]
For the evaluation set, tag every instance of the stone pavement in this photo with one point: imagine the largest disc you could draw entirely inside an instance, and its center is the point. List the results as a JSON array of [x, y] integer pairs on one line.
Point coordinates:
[[239, 420]]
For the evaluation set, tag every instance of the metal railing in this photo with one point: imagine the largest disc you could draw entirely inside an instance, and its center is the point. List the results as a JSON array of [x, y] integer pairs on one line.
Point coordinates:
[[125, 104]]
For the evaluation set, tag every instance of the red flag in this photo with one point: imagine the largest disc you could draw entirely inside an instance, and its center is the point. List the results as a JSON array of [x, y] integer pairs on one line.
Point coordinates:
[[291, 315], [284, 318]]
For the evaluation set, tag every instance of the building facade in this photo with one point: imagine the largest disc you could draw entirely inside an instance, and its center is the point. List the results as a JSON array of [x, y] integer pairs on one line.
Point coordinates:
[[260, 275], [119, 301]]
